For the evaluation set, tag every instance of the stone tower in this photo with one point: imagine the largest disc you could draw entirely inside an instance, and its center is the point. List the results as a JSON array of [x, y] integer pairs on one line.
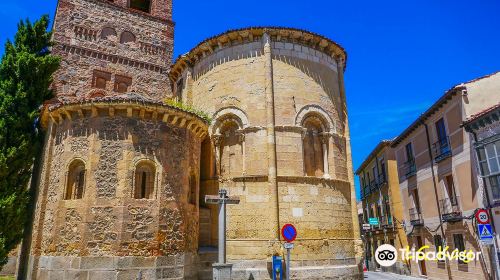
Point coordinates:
[[113, 46], [118, 186]]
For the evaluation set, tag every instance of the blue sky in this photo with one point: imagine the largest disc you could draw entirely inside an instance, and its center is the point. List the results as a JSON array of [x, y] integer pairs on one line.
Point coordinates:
[[402, 55]]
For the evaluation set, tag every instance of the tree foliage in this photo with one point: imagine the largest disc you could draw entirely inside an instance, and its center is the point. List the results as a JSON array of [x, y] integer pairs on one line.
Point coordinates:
[[26, 72]]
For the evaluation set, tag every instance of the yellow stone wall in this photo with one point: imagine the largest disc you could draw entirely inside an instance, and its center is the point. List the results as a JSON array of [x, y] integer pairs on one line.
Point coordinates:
[[230, 83]]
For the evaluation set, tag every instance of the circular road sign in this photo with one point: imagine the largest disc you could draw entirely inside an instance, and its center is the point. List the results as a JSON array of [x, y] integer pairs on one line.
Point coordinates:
[[289, 232], [482, 216]]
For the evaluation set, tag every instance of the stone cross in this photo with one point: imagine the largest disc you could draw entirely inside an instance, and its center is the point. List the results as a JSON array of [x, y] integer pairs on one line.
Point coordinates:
[[222, 270]]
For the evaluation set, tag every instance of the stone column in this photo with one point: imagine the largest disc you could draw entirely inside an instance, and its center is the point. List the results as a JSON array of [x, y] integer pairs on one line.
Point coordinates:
[[217, 139], [189, 86], [271, 135], [241, 140], [358, 243], [325, 139]]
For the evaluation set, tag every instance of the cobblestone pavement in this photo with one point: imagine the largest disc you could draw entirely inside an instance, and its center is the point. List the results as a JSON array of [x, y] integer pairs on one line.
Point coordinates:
[[371, 275]]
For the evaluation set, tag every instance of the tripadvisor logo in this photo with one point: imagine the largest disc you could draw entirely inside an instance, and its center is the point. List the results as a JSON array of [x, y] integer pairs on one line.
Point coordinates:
[[386, 255]]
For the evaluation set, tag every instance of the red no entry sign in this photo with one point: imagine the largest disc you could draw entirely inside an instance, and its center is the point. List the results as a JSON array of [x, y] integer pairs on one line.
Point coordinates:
[[289, 232], [482, 216]]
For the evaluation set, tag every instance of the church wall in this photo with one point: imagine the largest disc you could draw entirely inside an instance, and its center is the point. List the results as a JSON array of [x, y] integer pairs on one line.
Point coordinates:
[[108, 233], [229, 83]]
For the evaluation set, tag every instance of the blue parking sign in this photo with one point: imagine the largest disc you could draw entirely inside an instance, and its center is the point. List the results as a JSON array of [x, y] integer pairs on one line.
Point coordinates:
[[485, 231]]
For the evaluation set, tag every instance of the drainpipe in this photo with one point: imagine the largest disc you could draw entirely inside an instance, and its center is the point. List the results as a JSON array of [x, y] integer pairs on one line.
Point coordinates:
[[271, 133], [436, 192]]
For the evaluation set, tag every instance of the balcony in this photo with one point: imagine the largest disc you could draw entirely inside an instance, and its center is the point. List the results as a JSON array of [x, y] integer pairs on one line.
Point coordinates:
[[385, 221], [373, 185], [366, 191], [415, 217], [450, 209], [409, 168], [441, 149]]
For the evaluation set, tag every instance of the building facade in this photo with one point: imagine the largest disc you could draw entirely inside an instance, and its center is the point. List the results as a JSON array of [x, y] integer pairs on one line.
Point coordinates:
[[437, 180], [484, 128], [128, 160], [381, 198]]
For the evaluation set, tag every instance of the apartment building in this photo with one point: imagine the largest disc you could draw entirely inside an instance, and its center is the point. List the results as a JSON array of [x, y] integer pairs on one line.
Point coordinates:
[[484, 129], [381, 200], [437, 179]]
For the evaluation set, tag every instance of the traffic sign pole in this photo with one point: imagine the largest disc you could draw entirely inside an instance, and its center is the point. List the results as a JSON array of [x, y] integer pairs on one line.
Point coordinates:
[[288, 262], [289, 233]]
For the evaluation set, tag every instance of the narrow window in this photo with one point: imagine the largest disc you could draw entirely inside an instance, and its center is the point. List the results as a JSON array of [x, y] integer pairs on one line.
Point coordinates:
[[100, 79], [122, 83], [458, 240], [127, 37], [108, 32], [313, 148], [144, 180], [141, 5], [450, 189], [409, 152], [438, 244], [382, 170], [75, 180], [440, 130], [416, 200]]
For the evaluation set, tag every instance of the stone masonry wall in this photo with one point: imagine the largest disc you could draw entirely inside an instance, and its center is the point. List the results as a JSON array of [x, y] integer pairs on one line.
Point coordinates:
[[80, 41], [229, 83], [107, 228]]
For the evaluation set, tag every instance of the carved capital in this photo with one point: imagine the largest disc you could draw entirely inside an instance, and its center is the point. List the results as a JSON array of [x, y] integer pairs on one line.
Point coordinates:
[[217, 139], [324, 137], [241, 136]]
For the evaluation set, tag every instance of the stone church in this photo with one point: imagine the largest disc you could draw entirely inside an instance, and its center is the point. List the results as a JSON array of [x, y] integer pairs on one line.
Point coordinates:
[[135, 140]]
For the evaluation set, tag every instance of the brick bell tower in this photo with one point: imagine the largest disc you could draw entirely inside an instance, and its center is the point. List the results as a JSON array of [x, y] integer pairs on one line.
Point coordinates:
[[112, 47]]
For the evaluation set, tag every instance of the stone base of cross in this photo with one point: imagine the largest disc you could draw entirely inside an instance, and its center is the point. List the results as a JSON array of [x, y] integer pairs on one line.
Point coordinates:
[[221, 269]]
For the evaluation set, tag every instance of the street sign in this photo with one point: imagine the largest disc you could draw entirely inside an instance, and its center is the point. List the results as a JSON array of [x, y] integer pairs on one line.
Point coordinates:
[[367, 226], [485, 232], [222, 200], [373, 221], [482, 216], [289, 232], [288, 245]]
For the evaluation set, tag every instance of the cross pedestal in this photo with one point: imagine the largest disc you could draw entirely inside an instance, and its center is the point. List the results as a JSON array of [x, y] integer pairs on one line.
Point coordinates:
[[221, 269]]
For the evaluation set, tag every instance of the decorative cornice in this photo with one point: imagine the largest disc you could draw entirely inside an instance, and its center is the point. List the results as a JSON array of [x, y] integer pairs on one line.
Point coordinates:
[[112, 58], [156, 111], [253, 34]]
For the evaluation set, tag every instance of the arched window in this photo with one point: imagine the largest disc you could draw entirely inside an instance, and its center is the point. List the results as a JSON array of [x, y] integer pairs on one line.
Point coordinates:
[[144, 180], [313, 147], [107, 32], [75, 180], [127, 37], [141, 5], [231, 151]]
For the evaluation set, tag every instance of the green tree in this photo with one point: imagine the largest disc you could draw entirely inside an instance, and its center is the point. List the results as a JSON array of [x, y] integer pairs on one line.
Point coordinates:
[[26, 72]]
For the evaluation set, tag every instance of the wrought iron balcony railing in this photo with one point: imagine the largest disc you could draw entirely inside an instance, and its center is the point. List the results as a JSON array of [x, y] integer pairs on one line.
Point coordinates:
[[415, 217], [441, 149], [410, 168], [450, 208]]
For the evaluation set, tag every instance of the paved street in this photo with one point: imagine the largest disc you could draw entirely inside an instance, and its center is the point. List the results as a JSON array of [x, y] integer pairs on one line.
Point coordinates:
[[370, 275]]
